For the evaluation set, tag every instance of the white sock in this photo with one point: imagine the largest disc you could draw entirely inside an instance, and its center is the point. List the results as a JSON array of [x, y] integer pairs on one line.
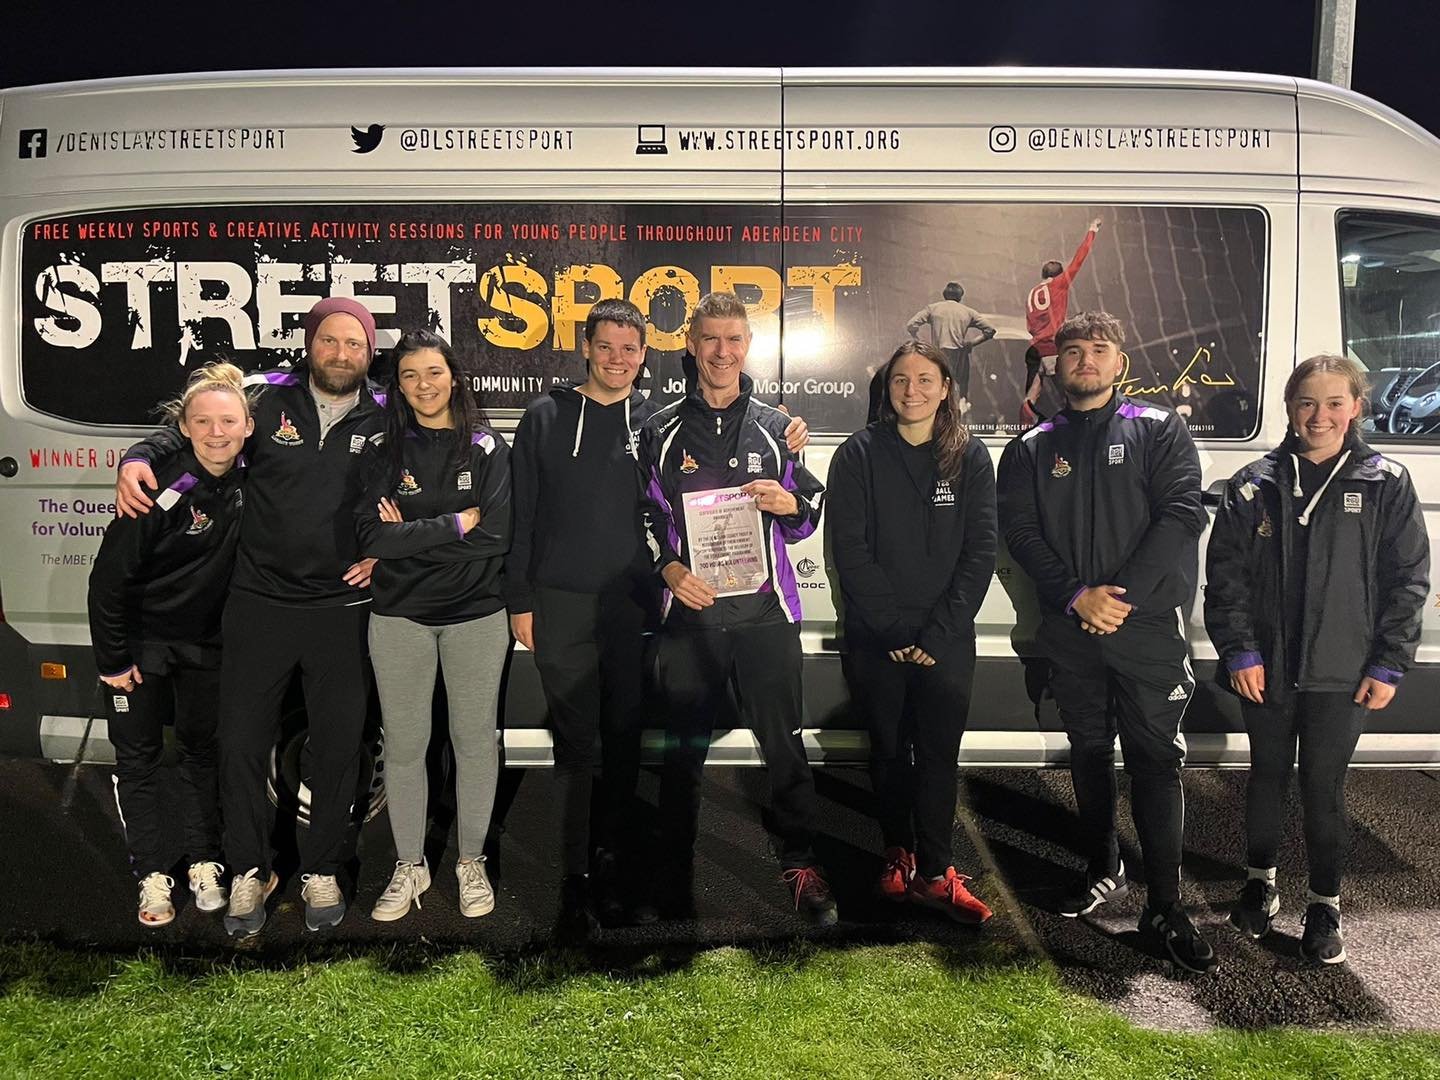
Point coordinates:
[[1312, 897], [1264, 873]]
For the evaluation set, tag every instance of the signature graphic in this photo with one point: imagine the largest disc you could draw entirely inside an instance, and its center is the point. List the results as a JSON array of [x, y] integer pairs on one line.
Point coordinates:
[[1131, 386]]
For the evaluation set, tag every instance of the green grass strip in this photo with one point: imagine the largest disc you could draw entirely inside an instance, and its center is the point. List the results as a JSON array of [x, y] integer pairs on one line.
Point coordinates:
[[801, 1009]]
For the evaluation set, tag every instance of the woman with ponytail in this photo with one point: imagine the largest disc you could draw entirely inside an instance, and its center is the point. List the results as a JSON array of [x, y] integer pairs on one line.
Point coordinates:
[[157, 589], [1316, 580], [911, 512]]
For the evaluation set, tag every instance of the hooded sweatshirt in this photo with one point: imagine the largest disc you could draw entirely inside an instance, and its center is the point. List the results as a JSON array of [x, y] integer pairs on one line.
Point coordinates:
[[576, 494], [914, 553]]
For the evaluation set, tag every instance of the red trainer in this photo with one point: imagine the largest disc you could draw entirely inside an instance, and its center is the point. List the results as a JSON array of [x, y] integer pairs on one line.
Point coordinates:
[[895, 879], [949, 895]]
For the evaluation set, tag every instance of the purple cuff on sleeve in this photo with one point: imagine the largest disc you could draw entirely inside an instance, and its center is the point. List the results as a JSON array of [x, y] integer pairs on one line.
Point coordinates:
[[459, 526], [1241, 661], [126, 461], [116, 674], [1070, 607], [1384, 674]]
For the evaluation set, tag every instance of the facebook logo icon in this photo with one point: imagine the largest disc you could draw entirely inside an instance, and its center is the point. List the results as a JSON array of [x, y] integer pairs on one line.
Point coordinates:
[[32, 142]]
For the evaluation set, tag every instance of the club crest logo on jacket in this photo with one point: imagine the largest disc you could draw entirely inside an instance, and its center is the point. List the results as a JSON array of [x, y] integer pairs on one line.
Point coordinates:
[[199, 522], [687, 463], [408, 484], [1060, 469], [286, 434], [1266, 528]]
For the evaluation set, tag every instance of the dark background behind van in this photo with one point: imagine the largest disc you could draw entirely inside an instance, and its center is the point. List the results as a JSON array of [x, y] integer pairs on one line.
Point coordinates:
[[1394, 39]]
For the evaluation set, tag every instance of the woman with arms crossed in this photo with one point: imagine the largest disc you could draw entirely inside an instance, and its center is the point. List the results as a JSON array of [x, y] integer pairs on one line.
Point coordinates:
[[436, 513], [1316, 574], [157, 589], [912, 532]]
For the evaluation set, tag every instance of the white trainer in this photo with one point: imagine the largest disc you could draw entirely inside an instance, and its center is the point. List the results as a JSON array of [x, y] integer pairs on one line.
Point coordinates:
[[406, 884], [476, 896], [206, 882], [156, 907]]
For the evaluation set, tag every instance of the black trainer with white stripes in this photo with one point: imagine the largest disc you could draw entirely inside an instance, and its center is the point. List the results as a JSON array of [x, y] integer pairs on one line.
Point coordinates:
[[1094, 892]]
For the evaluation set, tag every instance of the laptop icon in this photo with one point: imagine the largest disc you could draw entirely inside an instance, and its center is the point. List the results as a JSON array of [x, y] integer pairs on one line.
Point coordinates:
[[650, 139]]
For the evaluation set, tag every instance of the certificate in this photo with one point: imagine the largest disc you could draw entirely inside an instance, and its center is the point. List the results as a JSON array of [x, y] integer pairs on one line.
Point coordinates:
[[727, 542]]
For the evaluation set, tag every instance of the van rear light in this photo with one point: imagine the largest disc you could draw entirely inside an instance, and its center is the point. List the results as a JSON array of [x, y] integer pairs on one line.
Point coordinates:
[[4, 701], [52, 671]]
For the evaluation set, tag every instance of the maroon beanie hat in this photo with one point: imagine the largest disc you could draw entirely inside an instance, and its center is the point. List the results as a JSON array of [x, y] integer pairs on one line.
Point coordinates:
[[339, 305]]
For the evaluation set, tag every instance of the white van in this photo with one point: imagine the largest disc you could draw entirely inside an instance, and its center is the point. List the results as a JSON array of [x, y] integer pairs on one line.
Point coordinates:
[[1245, 222]]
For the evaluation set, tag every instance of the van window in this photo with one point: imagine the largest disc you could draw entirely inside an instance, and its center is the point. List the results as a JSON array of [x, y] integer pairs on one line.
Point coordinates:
[[1390, 307]]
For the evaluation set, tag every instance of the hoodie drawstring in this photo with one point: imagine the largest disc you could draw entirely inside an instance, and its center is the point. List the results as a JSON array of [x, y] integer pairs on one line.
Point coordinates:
[[1295, 464], [580, 426], [630, 434]]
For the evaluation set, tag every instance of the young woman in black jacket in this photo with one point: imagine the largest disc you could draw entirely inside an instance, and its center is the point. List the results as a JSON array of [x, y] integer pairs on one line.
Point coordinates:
[[157, 589], [912, 535], [1317, 574], [436, 513]]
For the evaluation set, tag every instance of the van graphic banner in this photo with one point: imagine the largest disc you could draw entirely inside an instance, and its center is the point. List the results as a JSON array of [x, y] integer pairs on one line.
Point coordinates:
[[129, 301]]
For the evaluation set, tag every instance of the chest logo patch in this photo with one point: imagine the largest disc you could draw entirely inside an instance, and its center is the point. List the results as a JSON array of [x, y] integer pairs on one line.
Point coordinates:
[[1352, 502], [752, 463], [1116, 455], [462, 482], [944, 494], [357, 443], [1060, 469], [199, 522], [408, 484], [687, 463], [286, 434], [1266, 528]]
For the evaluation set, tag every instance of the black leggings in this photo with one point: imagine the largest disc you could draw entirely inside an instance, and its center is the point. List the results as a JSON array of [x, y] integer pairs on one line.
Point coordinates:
[[1326, 727]]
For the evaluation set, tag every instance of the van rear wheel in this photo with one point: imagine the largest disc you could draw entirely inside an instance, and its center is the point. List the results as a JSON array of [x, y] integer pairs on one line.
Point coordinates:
[[288, 782]]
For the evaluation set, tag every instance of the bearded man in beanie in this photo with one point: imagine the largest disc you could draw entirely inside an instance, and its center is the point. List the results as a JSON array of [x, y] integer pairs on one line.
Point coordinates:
[[299, 599]]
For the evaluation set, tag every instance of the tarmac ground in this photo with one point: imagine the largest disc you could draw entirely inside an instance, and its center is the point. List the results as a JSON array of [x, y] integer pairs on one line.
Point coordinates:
[[1016, 833]]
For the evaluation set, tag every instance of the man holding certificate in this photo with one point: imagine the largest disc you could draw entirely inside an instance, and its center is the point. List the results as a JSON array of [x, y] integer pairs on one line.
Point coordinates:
[[724, 496]]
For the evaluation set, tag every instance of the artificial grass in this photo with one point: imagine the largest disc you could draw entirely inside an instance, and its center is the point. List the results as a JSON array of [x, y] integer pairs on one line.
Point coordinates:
[[912, 1010]]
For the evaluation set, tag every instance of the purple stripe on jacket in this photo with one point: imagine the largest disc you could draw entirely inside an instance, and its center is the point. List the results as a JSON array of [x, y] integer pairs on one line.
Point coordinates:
[[1241, 661], [280, 378], [184, 484], [1389, 676], [795, 532], [784, 572]]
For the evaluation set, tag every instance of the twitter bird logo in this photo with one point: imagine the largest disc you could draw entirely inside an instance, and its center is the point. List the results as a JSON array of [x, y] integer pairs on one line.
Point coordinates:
[[367, 139]]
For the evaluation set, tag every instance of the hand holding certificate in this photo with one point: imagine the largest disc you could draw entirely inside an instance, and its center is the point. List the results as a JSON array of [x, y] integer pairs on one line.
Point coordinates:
[[726, 540]]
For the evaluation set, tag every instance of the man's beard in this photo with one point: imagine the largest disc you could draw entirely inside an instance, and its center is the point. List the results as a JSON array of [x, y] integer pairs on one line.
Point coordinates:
[[335, 382], [1082, 386]]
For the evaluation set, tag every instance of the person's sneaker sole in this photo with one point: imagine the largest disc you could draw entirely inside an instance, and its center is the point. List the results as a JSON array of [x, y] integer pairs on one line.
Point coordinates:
[[219, 905], [955, 914], [1340, 959], [1095, 901], [250, 925], [157, 921], [393, 915], [475, 911], [324, 918]]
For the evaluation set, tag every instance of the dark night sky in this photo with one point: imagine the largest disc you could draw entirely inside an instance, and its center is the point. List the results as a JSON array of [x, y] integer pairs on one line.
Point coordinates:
[[1397, 44]]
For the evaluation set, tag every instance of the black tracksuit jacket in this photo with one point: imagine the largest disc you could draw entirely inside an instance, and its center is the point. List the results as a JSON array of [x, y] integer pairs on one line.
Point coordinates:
[[159, 581], [688, 446], [1366, 574], [914, 561], [1110, 496], [430, 570], [298, 535], [577, 496]]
